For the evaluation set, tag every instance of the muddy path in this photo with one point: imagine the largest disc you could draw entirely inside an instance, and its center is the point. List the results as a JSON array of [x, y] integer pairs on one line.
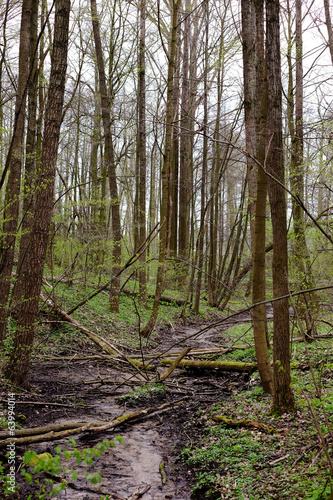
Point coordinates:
[[146, 464]]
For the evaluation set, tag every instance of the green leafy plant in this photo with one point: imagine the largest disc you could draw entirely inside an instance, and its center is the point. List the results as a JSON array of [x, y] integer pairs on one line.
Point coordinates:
[[145, 391], [46, 487]]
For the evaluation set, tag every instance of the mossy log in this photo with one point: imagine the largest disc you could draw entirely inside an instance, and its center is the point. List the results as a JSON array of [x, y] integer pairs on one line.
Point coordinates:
[[230, 366], [43, 429], [244, 423]]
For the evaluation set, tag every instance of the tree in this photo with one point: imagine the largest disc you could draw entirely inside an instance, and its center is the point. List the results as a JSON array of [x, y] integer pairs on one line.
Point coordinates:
[[200, 245], [110, 159], [255, 115], [329, 27], [283, 399], [18, 366], [306, 305], [141, 159], [14, 166], [30, 160], [166, 207]]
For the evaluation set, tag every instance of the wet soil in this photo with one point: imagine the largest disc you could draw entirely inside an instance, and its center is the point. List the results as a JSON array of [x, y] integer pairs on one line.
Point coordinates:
[[62, 391]]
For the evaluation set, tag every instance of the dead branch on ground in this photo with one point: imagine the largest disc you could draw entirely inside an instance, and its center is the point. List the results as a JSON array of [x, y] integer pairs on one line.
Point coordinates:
[[53, 432]]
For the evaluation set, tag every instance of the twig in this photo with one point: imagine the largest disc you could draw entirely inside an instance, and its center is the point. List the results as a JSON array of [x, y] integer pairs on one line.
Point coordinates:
[[279, 459], [129, 263], [41, 403]]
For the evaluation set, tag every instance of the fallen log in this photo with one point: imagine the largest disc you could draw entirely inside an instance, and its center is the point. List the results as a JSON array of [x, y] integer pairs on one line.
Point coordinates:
[[43, 429], [51, 432], [232, 366], [315, 337], [198, 352], [229, 422]]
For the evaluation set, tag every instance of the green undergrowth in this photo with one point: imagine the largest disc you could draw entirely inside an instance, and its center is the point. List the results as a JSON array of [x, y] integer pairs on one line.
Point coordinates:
[[247, 463], [146, 393], [121, 328], [44, 476]]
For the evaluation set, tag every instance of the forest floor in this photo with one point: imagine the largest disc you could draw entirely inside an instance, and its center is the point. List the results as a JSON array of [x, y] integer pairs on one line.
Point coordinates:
[[181, 449]]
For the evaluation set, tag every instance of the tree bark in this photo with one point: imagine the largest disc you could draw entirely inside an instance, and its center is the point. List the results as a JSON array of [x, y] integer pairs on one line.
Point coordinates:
[[30, 162], [186, 141], [255, 114], [303, 278], [17, 369], [204, 169], [110, 159], [166, 206], [329, 27], [141, 154], [14, 165], [283, 398]]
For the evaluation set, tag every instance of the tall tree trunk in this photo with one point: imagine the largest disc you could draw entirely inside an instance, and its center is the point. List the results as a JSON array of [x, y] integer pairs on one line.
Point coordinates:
[[141, 154], [329, 27], [185, 153], [95, 145], [175, 159], [255, 104], [2, 66], [204, 170], [110, 159], [30, 162], [14, 166], [283, 398], [306, 304], [17, 369], [166, 206], [215, 181]]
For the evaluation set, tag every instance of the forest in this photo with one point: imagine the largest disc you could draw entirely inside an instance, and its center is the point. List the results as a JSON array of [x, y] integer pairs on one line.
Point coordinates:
[[166, 190]]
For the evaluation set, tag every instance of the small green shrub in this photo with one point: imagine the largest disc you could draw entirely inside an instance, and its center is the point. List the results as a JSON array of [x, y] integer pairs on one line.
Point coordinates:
[[35, 465], [146, 391]]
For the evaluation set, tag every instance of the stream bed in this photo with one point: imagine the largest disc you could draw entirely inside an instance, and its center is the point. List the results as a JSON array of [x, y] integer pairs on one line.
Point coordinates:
[[145, 464]]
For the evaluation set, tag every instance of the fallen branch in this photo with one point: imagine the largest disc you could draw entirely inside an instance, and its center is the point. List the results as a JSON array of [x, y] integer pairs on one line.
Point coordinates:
[[278, 460], [102, 343], [94, 357], [315, 337], [39, 403], [139, 492], [232, 366], [51, 433], [164, 298], [199, 352], [42, 430], [174, 365]]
